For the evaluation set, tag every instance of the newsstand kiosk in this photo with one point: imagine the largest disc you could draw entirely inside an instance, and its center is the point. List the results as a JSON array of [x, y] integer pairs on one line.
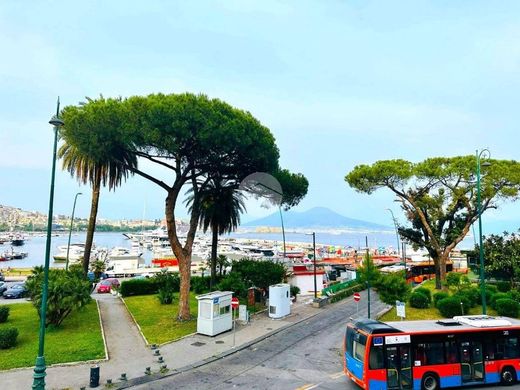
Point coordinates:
[[214, 313]]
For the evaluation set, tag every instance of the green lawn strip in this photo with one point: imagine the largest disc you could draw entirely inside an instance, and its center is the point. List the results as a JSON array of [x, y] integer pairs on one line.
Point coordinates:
[[430, 313], [77, 339], [158, 322]]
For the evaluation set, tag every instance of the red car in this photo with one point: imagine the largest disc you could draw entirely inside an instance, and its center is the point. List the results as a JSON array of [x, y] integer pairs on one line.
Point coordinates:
[[106, 285]]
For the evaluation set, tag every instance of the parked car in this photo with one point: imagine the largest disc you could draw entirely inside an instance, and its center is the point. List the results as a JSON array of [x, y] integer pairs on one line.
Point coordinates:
[[106, 285], [15, 291], [92, 277], [3, 287]]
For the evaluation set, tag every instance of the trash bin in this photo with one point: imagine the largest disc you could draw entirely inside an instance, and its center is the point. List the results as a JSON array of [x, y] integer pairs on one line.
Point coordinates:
[[94, 376]]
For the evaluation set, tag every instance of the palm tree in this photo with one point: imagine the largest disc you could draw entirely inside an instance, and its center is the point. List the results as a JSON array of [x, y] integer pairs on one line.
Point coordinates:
[[220, 206], [98, 169]]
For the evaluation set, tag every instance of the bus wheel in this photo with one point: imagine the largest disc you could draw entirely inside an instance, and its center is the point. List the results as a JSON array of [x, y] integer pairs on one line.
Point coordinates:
[[430, 382], [508, 376]]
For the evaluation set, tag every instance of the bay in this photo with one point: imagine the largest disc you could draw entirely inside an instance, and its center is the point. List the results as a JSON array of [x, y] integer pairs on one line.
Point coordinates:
[[35, 245]]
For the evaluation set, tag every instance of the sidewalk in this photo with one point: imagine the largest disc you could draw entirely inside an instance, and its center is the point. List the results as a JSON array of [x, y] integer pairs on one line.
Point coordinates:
[[128, 353]]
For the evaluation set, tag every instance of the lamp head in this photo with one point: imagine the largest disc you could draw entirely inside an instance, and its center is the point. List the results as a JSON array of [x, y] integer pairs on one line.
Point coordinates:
[[485, 164], [56, 121]]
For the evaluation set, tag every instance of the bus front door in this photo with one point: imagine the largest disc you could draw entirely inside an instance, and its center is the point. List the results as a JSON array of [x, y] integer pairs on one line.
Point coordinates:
[[398, 367], [471, 361]]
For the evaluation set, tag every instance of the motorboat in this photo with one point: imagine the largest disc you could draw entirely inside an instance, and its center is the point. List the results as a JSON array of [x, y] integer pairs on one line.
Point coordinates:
[[120, 253]]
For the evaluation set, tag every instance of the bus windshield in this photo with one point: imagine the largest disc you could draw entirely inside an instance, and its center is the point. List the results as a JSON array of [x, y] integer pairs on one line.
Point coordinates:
[[356, 344]]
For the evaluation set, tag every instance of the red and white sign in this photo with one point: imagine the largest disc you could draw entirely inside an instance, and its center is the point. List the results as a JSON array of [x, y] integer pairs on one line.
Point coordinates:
[[234, 303], [357, 297]]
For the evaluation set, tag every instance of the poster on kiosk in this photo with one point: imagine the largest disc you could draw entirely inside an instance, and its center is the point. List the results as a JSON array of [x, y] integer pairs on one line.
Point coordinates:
[[214, 313]]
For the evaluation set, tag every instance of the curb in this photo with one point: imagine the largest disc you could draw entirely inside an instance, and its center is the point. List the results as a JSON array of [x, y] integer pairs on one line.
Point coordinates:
[[135, 322], [107, 356]]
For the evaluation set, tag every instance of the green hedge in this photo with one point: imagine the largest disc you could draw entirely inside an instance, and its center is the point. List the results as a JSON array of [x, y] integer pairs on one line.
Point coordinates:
[[507, 307], [347, 292], [418, 300], [139, 287], [450, 307], [438, 296], [426, 292], [338, 287], [8, 337], [4, 313], [496, 297]]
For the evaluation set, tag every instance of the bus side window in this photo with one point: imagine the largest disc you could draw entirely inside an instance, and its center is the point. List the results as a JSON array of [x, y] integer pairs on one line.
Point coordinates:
[[490, 349], [377, 360], [511, 349], [420, 354], [451, 352]]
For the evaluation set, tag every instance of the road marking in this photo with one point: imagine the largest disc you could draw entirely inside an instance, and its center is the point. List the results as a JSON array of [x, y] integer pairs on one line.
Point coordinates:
[[309, 386], [337, 375]]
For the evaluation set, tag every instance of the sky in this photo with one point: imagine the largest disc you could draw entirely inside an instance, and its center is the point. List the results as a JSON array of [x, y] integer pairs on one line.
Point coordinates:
[[338, 83]]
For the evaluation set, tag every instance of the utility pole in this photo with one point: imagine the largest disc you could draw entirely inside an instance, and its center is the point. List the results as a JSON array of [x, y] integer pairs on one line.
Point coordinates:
[[368, 275]]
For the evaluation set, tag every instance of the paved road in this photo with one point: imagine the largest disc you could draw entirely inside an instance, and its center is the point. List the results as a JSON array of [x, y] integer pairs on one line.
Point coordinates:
[[304, 357]]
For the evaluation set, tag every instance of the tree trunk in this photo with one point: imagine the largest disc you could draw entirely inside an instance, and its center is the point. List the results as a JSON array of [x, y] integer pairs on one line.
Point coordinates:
[[214, 243], [183, 257], [440, 270], [92, 221]]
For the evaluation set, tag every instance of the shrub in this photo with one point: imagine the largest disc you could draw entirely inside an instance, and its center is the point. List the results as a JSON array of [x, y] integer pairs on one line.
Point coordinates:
[[393, 287], [450, 307], [503, 286], [260, 274], [515, 295], [295, 290], [168, 283], [438, 296], [138, 287], [466, 303], [347, 292], [165, 296], [419, 300], [200, 284], [507, 307], [425, 291], [67, 291], [491, 288], [4, 313], [496, 297], [233, 282], [167, 280], [8, 337], [471, 295], [457, 281]]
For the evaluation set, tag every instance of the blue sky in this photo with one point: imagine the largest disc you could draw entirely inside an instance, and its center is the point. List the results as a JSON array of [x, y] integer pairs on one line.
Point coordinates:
[[338, 83]]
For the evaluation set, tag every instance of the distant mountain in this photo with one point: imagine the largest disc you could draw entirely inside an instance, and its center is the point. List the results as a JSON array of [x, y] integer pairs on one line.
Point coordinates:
[[317, 217]]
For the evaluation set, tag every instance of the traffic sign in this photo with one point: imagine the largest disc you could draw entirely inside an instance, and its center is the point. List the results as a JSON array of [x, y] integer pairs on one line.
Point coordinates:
[[400, 308], [234, 303], [357, 297]]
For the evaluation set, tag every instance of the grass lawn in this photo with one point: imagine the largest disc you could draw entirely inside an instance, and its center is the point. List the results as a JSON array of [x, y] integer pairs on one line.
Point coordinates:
[[430, 313], [77, 339], [158, 322]]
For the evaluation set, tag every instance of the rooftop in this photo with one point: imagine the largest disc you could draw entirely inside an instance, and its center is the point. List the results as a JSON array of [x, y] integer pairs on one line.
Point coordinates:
[[457, 323]]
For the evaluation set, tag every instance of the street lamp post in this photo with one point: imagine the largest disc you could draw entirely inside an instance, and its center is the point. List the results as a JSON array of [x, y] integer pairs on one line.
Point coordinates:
[[70, 230], [396, 231], [486, 154], [39, 369], [314, 263], [368, 276]]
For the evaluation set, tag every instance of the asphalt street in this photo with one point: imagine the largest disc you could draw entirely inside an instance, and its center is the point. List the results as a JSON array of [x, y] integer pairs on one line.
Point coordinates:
[[304, 357]]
